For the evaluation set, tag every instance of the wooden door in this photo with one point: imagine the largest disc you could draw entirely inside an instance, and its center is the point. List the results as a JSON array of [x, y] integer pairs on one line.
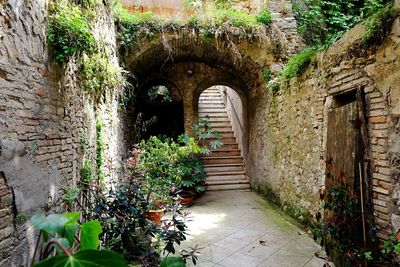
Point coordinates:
[[345, 157]]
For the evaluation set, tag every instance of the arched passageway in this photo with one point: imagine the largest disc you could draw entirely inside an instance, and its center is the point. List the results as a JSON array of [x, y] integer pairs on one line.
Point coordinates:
[[188, 65], [220, 111], [158, 111]]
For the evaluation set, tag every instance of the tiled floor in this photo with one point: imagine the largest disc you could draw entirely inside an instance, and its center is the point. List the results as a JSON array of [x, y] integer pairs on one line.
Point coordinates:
[[240, 229]]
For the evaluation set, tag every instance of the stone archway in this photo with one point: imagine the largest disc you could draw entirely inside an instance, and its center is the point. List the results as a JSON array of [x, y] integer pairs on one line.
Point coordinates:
[[192, 64]]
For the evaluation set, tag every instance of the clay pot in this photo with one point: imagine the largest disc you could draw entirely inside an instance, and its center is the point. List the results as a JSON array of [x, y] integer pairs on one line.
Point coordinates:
[[155, 215], [186, 201]]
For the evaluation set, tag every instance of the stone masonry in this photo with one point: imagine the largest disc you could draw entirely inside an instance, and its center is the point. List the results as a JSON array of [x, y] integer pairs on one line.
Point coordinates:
[[46, 116], [288, 133]]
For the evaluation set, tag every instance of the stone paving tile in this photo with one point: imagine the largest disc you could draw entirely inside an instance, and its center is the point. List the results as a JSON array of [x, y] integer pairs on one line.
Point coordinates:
[[255, 249], [231, 243], [316, 262], [239, 259], [247, 235], [239, 229]]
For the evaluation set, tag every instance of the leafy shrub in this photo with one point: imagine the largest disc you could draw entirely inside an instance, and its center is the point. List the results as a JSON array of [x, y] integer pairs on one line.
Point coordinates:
[[378, 25], [133, 26], [99, 74], [298, 63], [68, 32], [87, 171], [204, 132], [266, 73], [70, 195], [166, 166], [392, 245], [264, 17], [213, 19], [339, 231], [324, 22], [123, 213], [274, 85]]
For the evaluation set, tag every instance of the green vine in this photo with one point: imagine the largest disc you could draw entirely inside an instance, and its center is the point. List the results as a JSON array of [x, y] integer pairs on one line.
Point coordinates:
[[323, 22], [87, 171], [212, 20], [68, 32], [378, 25], [69, 35], [99, 150], [99, 74]]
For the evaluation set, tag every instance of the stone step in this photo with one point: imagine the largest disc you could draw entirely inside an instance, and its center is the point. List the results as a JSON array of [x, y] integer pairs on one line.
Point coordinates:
[[222, 129], [227, 146], [222, 168], [224, 140], [229, 173], [207, 115], [228, 135], [218, 124], [212, 95], [222, 160], [210, 101], [228, 140], [226, 178], [226, 182], [225, 129], [228, 187], [224, 153], [212, 119], [212, 112]]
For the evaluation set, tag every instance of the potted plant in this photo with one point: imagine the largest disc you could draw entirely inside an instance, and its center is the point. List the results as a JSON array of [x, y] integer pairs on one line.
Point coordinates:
[[156, 173]]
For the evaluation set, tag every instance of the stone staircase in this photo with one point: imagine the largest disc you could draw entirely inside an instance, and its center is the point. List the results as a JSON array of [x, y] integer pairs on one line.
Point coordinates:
[[225, 165]]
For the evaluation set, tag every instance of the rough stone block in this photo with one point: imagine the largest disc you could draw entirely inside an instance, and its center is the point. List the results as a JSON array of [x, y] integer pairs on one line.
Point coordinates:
[[380, 119], [381, 190], [6, 201]]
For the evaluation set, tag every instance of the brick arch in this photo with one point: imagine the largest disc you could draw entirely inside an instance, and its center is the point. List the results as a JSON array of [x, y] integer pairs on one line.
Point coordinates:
[[245, 59]]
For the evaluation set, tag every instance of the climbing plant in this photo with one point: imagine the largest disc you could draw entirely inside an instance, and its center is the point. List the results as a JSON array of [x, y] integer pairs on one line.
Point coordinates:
[[326, 31], [99, 150], [324, 21], [68, 32], [99, 74], [211, 19]]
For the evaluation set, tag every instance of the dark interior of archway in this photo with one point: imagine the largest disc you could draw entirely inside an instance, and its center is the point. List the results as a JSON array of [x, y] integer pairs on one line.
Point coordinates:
[[159, 112]]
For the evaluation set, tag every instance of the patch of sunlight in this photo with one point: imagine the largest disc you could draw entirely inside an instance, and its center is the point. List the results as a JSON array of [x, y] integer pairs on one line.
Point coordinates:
[[200, 223]]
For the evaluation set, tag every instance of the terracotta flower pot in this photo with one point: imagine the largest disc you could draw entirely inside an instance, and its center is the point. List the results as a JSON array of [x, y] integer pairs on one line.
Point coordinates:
[[155, 215], [186, 201]]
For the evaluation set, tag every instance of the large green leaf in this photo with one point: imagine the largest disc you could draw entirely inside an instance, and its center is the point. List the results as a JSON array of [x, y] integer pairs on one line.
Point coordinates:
[[54, 223], [86, 258], [90, 234], [70, 231], [173, 262]]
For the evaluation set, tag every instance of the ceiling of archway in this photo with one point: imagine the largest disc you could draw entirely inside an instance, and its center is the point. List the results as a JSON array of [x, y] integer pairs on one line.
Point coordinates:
[[240, 62]]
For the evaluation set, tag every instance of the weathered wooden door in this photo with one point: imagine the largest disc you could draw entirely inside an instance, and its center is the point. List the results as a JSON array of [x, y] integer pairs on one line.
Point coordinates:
[[345, 158], [344, 145]]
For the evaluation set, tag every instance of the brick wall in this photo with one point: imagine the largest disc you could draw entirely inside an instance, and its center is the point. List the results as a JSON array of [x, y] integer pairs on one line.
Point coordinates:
[[43, 114], [289, 130]]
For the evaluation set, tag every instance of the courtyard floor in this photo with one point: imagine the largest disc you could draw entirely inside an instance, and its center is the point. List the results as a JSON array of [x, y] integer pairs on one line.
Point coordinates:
[[239, 228]]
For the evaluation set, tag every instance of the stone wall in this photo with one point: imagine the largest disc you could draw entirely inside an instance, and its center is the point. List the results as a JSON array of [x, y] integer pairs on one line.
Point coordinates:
[[288, 131], [44, 115]]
